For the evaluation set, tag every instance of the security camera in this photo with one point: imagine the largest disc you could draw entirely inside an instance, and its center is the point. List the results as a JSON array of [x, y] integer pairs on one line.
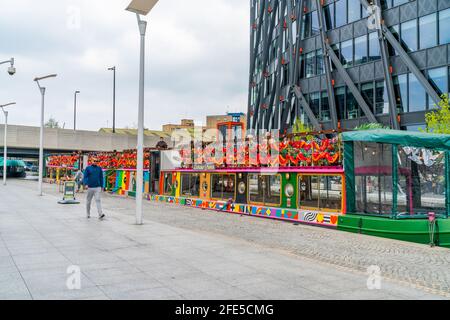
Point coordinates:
[[11, 71]]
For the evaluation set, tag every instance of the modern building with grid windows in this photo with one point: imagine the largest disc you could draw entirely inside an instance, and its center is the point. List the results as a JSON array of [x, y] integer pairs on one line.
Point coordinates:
[[341, 63]]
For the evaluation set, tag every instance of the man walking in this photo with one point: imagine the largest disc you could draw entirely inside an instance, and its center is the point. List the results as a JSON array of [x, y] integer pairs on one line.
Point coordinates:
[[93, 179]]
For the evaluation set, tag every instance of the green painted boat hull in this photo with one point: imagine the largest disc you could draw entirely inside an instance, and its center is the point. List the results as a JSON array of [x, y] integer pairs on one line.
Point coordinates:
[[412, 230]]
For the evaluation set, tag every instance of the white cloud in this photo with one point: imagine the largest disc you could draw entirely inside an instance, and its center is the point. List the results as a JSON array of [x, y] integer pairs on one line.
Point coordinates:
[[95, 59], [196, 59]]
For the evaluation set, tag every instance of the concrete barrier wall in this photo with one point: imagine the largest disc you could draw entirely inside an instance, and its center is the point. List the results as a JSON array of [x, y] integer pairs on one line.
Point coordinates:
[[62, 139]]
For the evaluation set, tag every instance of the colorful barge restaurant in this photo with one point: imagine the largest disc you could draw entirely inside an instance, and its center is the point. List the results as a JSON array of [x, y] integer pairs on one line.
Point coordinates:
[[119, 169], [386, 183]]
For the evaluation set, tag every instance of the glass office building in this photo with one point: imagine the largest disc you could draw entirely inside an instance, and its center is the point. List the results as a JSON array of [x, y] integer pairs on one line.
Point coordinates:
[[327, 63]]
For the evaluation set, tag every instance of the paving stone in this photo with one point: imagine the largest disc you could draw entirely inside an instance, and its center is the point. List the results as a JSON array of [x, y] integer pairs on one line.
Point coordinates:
[[185, 253]]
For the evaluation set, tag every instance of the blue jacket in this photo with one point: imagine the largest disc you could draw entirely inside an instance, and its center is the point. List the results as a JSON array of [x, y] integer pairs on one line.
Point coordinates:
[[93, 177]]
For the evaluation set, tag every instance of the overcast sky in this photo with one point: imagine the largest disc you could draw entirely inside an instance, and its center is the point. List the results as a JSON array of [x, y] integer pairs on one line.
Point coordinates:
[[196, 62]]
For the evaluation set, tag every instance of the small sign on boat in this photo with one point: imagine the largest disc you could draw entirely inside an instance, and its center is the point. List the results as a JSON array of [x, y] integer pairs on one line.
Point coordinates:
[[204, 166]]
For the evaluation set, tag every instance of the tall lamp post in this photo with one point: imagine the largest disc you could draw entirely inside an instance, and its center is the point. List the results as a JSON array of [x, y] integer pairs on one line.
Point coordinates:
[[141, 7], [41, 138], [5, 149], [114, 98], [75, 110], [11, 72]]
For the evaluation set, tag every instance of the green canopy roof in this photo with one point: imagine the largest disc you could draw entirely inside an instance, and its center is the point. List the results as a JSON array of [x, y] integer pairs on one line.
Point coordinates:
[[12, 163], [404, 138]]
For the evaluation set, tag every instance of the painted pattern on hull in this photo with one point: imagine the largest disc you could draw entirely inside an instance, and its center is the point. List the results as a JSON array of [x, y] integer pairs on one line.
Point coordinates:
[[310, 217]]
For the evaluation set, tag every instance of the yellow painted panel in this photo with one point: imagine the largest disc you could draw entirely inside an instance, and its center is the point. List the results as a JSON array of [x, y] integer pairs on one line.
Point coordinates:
[[178, 185], [205, 185]]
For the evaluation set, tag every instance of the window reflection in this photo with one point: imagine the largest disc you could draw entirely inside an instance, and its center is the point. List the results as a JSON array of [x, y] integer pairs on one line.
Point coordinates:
[[320, 192], [438, 77], [223, 186], [367, 93], [428, 31], [401, 92], [422, 181], [374, 47], [324, 107], [444, 23], [398, 2], [310, 64], [351, 107], [167, 183], [409, 35], [347, 53], [361, 49], [354, 10], [416, 94], [320, 63], [190, 184], [373, 178], [340, 102], [395, 30], [328, 12], [381, 98], [306, 25], [314, 23], [314, 103], [341, 13], [265, 189]]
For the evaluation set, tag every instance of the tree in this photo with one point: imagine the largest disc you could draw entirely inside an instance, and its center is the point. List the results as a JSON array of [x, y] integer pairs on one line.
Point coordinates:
[[300, 127], [52, 123], [438, 121], [370, 126]]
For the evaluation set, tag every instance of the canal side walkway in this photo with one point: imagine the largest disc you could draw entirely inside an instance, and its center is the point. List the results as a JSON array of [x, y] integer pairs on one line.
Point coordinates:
[[185, 253]]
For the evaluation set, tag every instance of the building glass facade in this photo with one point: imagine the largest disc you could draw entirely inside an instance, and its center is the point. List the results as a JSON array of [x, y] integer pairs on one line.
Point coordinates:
[[291, 55]]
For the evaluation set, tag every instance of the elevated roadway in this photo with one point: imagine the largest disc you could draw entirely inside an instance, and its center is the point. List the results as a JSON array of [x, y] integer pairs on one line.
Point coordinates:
[[23, 141]]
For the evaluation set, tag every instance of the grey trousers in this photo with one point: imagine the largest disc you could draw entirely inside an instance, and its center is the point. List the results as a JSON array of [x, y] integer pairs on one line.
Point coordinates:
[[94, 192]]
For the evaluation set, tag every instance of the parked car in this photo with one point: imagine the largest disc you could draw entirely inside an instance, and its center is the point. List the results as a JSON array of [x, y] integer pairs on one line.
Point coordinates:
[[15, 168]]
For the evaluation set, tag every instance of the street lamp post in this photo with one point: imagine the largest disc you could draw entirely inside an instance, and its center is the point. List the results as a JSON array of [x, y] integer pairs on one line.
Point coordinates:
[[5, 149], [41, 138], [75, 110], [11, 72], [114, 98], [141, 7]]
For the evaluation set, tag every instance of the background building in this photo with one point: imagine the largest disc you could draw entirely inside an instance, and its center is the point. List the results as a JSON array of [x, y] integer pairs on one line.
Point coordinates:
[[212, 121], [185, 124], [348, 74]]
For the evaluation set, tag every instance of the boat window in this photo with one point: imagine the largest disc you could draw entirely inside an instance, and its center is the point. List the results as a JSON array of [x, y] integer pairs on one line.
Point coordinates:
[[256, 186], [168, 183], [265, 189], [373, 178], [190, 184], [223, 186], [320, 192], [421, 181], [309, 192], [273, 195], [330, 188]]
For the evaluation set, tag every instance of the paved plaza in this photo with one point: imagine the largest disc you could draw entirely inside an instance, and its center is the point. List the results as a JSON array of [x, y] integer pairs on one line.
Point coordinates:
[[184, 253]]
